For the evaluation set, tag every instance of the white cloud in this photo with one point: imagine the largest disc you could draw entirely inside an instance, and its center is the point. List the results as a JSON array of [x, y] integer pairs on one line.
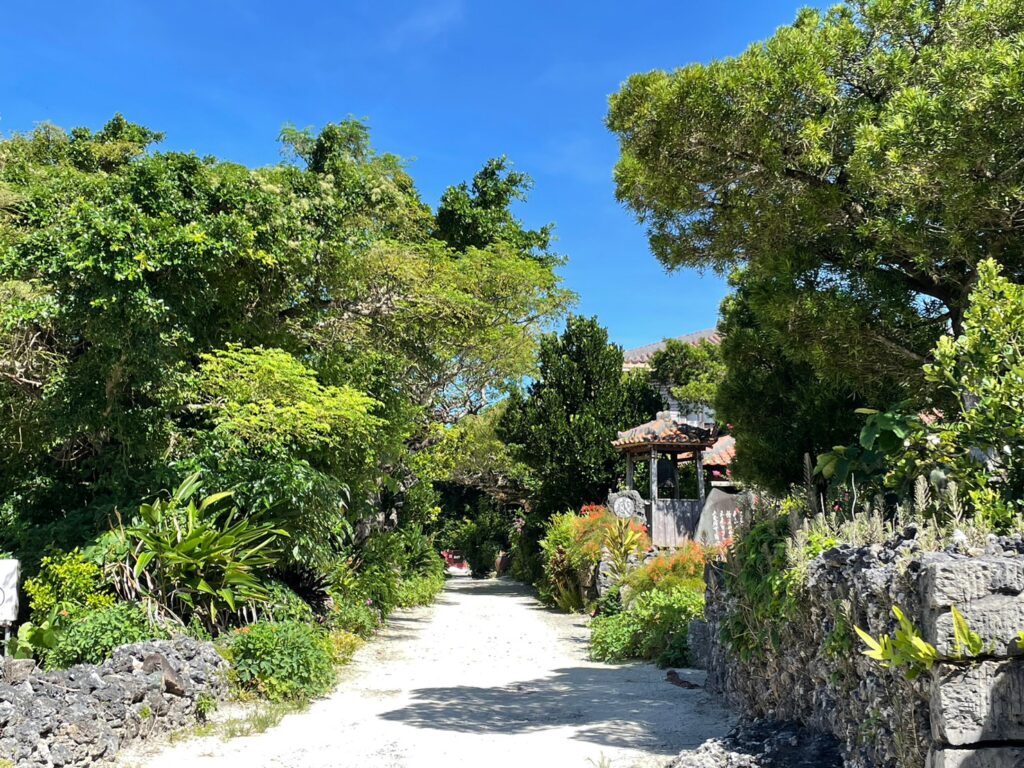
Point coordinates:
[[424, 25]]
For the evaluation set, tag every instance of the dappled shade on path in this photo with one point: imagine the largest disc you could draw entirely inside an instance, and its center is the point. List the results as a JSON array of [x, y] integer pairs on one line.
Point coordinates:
[[598, 701], [486, 676]]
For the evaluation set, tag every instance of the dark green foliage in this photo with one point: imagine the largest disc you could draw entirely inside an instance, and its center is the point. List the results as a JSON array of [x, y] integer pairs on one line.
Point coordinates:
[[776, 406], [309, 585], [284, 604], [563, 428], [857, 166], [282, 661], [479, 538], [862, 159], [94, 634], [480, 215]]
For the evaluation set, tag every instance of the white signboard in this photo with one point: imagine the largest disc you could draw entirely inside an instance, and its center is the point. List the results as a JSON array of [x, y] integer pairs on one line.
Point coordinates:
[[9, 572]]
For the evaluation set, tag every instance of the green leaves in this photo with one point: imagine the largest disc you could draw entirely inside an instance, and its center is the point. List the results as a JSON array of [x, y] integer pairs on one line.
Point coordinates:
[[563, 428], [904, 649], [207, 560], [883, 435], [693, 370], [858, 166], [284, 660], [966, 642], [299, 331]]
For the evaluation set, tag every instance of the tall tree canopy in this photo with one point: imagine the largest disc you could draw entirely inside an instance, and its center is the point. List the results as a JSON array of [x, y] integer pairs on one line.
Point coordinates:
[[856, 168], [563, 428], [859, 164], [304, 325]]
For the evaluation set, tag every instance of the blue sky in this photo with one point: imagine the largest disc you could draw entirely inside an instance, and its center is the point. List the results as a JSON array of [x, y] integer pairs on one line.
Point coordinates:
[[444, 83]]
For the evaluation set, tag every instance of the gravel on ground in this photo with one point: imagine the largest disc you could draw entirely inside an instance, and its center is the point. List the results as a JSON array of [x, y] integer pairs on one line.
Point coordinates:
[[488, 677], [765, 744]]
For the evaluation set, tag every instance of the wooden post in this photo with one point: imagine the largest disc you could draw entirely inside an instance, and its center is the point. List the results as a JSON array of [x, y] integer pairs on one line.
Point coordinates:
[[700, 476], [675, 475], [654, 478], [629, 471]]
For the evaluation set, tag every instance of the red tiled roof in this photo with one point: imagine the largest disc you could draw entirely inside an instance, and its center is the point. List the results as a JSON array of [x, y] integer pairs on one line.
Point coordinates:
[[641, 355], [665, 433], [722, 453]]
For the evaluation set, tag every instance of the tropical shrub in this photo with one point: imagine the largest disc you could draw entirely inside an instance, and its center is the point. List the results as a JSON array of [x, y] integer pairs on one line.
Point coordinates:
[[419, 555], [655, 628], [283, 604], [203, 561], [91, 638], [282, 661], [978, 442], [311, 585], [37, 639], [67, 582], [566, 562], [355, 615], [67, 587], [758, 572], [614, 637], [378, 565], [265, 425], [419, 590], [572, 549], [684, 567], [622, 541]]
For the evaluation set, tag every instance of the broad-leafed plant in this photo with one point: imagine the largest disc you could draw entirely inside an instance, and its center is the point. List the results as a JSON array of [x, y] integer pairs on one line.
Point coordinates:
[[189, 559]]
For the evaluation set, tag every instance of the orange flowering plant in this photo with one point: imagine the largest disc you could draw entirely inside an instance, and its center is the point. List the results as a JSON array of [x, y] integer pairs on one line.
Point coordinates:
[[573, 546], [684, 567]]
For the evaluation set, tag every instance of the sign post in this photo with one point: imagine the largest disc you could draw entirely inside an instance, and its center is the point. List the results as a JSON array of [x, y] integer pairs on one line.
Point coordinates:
[[10, 571]]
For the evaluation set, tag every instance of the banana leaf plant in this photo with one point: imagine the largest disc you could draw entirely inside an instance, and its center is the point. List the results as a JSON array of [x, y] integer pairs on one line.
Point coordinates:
[[206, 561]]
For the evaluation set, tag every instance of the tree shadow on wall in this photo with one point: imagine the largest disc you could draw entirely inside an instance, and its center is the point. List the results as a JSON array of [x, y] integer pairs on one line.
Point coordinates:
[[613, 707]]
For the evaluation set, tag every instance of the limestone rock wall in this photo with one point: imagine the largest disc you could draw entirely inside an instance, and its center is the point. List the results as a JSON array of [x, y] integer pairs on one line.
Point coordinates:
[[966, 713], [85, 714]]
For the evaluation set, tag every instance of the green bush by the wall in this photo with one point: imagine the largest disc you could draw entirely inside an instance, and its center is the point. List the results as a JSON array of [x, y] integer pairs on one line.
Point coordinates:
[[95, 634], [282, 660], [655, 628]]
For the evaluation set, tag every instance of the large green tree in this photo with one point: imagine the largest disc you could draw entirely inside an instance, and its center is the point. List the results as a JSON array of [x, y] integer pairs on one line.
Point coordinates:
[[859, 164], [563, 427], [303, 329]]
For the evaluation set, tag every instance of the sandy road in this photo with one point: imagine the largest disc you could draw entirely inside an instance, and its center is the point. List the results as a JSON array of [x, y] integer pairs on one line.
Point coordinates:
[[486, 677]]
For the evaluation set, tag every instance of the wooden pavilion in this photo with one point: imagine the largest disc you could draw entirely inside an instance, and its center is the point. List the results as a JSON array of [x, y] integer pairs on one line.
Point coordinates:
[[669, 436]]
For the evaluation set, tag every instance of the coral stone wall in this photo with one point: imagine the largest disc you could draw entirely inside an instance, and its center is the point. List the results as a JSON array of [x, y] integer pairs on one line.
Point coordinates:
[[965, 713], [84, 715]]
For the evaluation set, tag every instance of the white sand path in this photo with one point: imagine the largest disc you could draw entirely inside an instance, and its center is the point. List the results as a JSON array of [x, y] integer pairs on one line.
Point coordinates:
[[486, 677]]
